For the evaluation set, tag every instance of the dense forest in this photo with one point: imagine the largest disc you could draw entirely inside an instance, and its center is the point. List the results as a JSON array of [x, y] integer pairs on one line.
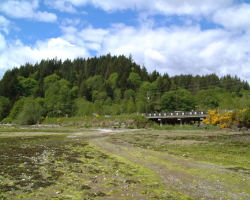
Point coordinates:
[[111, 85]]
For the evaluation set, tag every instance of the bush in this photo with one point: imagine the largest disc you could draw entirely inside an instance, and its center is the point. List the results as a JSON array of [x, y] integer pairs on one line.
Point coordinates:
[[142, 122], [227, 119], [30, 113], [6, 120], [246, 115]]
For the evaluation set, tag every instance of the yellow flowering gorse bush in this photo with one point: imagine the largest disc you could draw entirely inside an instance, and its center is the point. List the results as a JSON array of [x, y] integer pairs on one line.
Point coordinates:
[[224, 119]]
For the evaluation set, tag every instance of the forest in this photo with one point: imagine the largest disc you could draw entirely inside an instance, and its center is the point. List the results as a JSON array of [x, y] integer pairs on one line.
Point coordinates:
[[110, 85]]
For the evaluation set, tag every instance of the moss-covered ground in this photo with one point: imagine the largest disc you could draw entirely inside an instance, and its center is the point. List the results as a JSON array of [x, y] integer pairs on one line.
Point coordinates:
[[67, 166], [78, 163]]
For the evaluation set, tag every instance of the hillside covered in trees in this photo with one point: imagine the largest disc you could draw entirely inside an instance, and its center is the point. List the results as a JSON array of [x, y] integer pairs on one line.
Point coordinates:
[[110, 85]]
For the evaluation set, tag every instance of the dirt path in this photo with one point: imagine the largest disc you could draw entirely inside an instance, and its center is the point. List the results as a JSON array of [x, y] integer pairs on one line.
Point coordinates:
[[181, 174]]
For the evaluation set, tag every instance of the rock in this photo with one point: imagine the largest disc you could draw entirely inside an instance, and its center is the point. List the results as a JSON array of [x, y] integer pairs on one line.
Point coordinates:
[[236, 127], [117, 124], [202, 125], [243, 129]]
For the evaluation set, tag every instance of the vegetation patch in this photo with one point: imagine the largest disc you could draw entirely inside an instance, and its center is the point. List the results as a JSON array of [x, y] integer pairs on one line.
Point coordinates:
[[62, 167], [224, 151], [225, 148]]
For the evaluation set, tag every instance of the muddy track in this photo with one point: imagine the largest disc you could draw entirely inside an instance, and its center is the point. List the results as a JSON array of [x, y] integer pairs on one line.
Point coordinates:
[[179, 173]]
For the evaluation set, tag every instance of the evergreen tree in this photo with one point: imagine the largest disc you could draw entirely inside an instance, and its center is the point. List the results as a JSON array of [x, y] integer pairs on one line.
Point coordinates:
[[5, 107]]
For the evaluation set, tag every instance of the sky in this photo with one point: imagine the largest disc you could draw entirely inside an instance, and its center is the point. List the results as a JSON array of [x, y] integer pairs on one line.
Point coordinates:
[[197, 37]]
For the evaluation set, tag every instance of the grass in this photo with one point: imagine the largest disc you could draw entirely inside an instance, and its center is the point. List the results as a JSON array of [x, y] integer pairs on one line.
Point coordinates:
[[178, 127], [89, 119], [228, 152], [221, 148]]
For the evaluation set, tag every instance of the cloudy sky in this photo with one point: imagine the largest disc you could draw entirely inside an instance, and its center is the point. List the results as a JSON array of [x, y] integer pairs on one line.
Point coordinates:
[[170, 36]]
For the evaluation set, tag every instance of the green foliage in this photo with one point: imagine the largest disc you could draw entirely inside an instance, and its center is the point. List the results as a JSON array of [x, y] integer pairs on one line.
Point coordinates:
[[83, 107], [129, 94], [28, 86], [74, 92], [6, 120], [95, 83], [168, 101], [117, 95], [177, 100], [112, 80], [142, 122], [97, 107], [100, 96], [225, 100], [246, 115], [4, 107], [30, 113], [134, 80], [50, 80], [207, 99], [58, 98], [17, 108]]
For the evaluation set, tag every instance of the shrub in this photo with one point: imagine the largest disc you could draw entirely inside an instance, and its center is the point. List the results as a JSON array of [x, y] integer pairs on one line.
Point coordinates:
[[30, 113], [227, 119], [6, 120]]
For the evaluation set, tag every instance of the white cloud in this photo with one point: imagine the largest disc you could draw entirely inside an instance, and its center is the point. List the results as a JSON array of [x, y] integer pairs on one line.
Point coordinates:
[[4, 24], [169, 7], [88, 38], [2, 43], [26, 9], [70, 22], [191, 7], [236, 17], [61, 5], [93, 35], [60, 48], [44, 16], [15, 53], [180, 50]]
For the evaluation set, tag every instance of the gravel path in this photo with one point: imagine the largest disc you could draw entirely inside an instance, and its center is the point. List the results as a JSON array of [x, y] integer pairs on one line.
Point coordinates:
[[181, 174]]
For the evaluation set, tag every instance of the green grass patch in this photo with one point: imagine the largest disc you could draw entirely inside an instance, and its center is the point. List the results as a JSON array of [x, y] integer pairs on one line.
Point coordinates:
[[221, 148]]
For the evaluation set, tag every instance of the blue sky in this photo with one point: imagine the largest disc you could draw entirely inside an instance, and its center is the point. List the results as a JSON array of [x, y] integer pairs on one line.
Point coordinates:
[[170, 36]]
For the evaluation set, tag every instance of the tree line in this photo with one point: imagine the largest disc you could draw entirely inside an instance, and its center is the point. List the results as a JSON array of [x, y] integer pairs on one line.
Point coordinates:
[[110, 85]]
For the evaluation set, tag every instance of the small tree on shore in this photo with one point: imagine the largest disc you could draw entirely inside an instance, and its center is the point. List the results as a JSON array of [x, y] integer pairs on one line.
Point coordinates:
[[30, 113]]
